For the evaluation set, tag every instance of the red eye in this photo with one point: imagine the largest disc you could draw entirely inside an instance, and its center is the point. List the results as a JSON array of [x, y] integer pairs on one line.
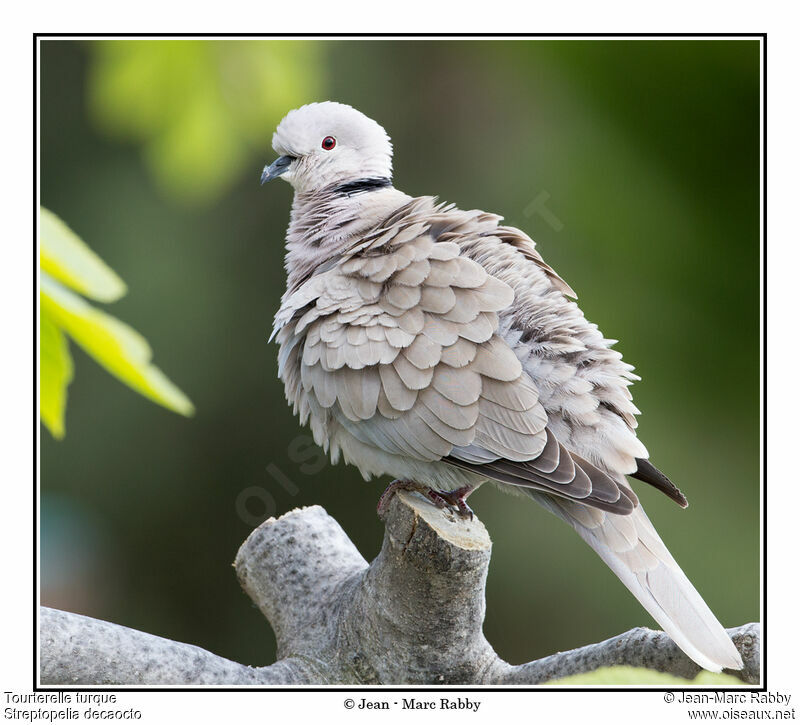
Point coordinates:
[[328, 143]]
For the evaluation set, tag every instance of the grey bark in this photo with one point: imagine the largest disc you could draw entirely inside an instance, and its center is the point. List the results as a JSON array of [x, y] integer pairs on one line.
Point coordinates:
[[412, 616]]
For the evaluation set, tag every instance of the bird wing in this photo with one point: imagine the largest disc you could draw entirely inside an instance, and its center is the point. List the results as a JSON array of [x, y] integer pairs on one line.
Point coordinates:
[[400, 346]]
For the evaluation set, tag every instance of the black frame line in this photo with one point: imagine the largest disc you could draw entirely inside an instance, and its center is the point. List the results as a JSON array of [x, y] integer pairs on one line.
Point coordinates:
[[407, 36]]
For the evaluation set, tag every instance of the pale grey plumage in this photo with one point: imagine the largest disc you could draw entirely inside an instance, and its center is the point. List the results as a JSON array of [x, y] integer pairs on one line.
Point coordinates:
[[435, 345]]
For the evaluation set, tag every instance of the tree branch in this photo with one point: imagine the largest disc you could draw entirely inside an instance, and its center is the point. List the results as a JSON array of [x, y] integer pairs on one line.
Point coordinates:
[[640, 647], [412, 616], [78, 650]]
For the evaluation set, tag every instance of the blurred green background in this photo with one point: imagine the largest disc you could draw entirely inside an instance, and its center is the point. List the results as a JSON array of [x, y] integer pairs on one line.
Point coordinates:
[[633, 164]]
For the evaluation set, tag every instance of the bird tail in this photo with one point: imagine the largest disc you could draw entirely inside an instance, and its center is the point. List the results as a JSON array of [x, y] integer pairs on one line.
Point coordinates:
[[635, 553]]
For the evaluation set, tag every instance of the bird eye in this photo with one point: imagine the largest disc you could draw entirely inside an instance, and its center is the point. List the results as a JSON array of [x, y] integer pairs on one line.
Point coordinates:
[[328, 143]]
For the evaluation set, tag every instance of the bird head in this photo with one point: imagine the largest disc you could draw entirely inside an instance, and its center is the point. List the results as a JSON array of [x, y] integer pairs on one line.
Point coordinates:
[[328, 143]]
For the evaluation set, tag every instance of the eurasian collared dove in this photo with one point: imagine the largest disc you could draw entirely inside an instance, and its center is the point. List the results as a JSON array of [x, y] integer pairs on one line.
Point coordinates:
[[437, 346]]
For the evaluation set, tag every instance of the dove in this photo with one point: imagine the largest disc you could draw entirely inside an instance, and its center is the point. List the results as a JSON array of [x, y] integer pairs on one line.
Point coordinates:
[[436, 346]]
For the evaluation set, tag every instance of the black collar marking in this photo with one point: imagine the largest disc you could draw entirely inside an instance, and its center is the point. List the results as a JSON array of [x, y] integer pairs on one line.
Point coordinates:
[[361, 185]]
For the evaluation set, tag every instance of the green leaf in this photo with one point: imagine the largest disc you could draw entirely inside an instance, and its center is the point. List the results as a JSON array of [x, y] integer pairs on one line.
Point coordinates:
[[115, 345], [202, 110], [55, 374], [641, 676], [65, 257], [66, 260]]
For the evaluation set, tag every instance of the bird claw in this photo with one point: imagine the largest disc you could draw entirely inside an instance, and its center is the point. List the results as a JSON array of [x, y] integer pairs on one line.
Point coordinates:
[[464, 510]]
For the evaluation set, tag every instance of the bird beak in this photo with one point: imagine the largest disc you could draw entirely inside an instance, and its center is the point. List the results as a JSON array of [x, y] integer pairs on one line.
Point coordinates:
[[276, 168]]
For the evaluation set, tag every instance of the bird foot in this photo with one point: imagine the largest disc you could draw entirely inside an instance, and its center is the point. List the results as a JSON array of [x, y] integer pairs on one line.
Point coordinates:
[[441, 499], [393, 488], [458, 500]]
